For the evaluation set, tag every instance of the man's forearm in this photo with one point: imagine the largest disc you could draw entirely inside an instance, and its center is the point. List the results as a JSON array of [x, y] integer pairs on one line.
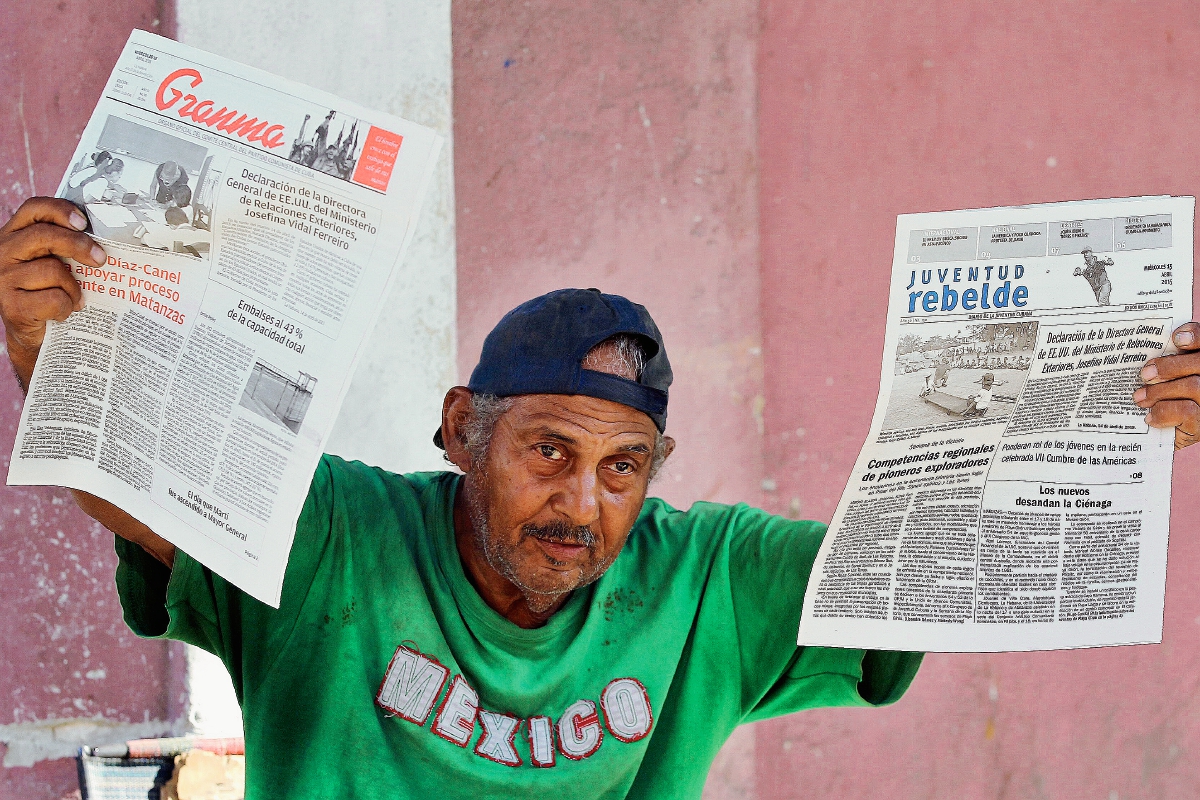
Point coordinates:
[[125, 526], [23, 360]]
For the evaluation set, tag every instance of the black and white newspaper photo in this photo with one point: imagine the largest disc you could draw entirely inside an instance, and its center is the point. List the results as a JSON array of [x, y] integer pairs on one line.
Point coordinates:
[[252, 227], [1010, 495]]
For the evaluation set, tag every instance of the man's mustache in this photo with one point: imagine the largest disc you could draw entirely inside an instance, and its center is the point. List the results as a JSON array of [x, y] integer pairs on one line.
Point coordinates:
[[559, 531]]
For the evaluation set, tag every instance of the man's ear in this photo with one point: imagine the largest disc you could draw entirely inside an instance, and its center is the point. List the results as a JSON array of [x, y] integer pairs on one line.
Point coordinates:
[[669, 446], [456, 415]]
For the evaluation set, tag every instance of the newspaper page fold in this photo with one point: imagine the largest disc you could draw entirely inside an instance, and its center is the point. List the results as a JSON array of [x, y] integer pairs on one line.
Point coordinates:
[[252, 227], [1010, 495]]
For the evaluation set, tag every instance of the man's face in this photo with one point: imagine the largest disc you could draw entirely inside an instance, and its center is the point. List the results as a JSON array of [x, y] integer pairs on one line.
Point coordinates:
[[563, 481]]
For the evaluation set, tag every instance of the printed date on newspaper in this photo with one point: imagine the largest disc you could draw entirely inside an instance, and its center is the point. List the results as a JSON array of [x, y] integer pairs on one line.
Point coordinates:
[[1010, 495], [252, 227]]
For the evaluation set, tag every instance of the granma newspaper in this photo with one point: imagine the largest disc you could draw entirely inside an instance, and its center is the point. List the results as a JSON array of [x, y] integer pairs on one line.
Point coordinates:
[[252, 226]]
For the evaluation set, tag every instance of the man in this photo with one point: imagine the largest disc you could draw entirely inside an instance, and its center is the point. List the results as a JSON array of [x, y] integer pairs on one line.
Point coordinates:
[[168, 178], [181, 196], [978, 403], [534, 627], [1096, 275], [936, 379], [298, 144], [941, 374], [322, 135]]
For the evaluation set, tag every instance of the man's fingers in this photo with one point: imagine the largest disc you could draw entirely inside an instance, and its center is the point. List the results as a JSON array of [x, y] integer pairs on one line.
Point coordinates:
[[43, 273], [1185, 388], [1174, 404], [37, 291], [1187, 336], [36, 308], [1169, 368], [44, 239], [48, 304], [46, 209], [1182, 415], [1173, 413]]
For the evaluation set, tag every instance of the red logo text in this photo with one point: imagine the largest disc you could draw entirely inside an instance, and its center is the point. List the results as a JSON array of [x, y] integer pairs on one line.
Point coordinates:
[[205, 112]]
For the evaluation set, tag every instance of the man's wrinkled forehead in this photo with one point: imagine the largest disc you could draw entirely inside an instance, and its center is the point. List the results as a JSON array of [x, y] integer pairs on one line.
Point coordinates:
[[576, 417]]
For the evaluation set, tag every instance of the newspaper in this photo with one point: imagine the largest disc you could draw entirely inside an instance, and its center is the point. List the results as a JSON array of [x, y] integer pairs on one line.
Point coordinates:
[[1010, 495], [252, 226]]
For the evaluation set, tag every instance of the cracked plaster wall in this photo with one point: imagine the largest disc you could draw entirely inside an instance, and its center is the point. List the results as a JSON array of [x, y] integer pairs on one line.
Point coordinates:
[[69, 668]]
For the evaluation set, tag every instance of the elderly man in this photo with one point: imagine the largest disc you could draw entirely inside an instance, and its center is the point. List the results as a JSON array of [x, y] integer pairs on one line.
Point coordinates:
[[535, 626]]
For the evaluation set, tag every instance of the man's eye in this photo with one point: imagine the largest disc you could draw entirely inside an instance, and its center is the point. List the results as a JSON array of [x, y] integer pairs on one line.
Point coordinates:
[[549, 451], [624, 468]]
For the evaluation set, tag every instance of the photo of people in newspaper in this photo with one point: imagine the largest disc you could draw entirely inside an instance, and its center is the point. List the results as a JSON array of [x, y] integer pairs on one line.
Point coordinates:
[[956, 371], [277, 396], [325, 153], [147, 188]]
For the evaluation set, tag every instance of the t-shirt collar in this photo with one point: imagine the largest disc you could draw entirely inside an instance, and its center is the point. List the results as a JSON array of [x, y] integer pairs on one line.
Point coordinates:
[[478, 615]]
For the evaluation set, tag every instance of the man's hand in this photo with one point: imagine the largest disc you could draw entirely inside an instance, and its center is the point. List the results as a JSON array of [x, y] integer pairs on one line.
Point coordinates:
[[36, 285], [1172, 390]]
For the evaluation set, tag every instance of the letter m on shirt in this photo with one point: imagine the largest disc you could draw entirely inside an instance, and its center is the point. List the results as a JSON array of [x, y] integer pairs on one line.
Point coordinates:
[[411, 685]]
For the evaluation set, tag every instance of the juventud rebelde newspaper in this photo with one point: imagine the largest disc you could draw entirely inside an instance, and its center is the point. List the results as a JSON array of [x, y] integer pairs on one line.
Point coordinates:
[[1010, 495], [252, 226]]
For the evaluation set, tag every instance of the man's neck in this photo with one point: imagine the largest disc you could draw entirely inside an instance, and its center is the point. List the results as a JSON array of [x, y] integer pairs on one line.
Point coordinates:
[[501, 594]]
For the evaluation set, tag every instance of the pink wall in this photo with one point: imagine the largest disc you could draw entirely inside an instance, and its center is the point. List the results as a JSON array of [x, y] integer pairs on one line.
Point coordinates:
[[613, 145], [867, 110], [64, 651]]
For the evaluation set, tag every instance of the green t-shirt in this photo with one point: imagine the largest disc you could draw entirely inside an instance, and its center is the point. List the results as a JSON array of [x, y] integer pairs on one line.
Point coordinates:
[[384, 674]]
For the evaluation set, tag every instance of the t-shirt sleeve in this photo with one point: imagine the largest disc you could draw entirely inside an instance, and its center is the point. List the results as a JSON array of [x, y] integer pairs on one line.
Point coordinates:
[[769, 563], [192, 604]]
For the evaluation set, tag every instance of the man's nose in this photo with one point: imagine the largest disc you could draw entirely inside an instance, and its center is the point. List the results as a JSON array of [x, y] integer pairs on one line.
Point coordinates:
[[578, 500]]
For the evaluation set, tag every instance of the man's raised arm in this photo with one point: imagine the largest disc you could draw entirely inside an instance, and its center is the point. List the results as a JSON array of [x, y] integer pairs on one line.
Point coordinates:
[[36, 285]]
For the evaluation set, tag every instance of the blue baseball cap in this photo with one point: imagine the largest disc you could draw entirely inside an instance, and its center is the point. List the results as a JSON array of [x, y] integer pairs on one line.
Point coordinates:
[[539, 347]]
